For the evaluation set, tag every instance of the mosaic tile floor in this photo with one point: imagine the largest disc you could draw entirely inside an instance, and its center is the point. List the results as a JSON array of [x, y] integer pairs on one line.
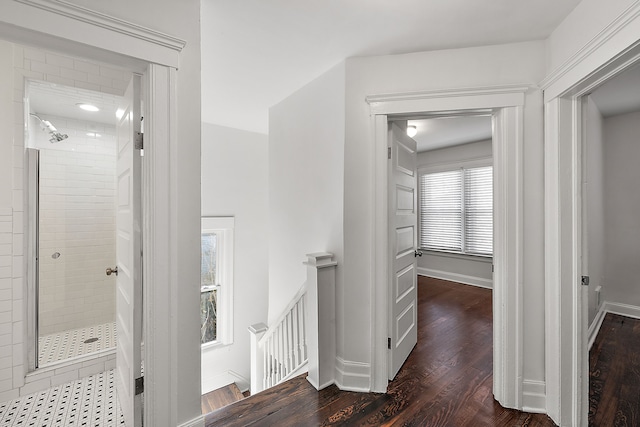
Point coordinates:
[[90, 401], [63, 345]]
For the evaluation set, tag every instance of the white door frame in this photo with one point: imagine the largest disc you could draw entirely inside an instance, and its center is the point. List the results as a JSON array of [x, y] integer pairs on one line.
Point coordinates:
[[566, 349], [51, 24], [506, 105]]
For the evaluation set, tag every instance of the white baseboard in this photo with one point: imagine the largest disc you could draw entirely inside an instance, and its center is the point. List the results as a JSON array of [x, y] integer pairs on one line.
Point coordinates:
[[353, 376], [534, 396], [196, 422], [627, 310], [224, 379], [455, 277], [594, 327], [622, 309]]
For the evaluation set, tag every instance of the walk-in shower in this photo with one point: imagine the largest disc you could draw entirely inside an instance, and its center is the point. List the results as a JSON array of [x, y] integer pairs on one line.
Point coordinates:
[[71, 204]]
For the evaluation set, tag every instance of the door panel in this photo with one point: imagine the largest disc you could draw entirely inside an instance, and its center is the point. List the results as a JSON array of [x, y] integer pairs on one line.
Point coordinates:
[[129, 258], [403, 235]]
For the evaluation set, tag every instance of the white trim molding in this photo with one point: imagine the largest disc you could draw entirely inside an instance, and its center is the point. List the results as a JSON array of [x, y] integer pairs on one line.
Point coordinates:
[[455, 277], [83, 14], [626, 310], [611, 52], [506, 105], [621, 34], [595, 325], [534, 396], [352, 376], [102, 35]]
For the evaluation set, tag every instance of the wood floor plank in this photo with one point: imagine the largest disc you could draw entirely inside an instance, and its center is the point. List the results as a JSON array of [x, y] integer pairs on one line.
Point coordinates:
[[614, 373], [446, 381]]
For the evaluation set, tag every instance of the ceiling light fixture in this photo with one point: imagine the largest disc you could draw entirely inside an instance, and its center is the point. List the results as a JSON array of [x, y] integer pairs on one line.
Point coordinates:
[[119, 113], [412, 131], [88, 107]]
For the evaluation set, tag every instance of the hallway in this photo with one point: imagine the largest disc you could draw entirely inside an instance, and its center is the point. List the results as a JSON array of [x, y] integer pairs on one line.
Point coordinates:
[[447, 379]]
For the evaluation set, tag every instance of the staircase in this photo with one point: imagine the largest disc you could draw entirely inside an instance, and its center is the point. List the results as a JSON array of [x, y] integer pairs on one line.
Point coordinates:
[[293, 344], [220, 398]]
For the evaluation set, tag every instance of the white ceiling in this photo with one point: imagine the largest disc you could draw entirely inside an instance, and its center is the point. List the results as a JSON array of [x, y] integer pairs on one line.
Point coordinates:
[[619, 95], [449, 131], [61, 101], [257, 52]]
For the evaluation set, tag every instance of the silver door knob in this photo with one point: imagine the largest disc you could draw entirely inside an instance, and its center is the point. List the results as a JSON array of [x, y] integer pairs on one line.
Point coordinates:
[[111, 271], [417, 253]]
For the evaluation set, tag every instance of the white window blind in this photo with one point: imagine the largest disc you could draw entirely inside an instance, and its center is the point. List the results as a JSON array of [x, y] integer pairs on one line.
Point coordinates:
[[456, 211], [441, 211], [478, 202]]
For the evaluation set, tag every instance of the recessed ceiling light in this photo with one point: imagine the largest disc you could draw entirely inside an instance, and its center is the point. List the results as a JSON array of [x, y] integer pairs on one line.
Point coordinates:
[[412, 131], [88, 107]]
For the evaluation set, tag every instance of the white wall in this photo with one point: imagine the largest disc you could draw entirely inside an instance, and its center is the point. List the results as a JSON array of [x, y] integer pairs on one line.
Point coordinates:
[[234, 183], [458, 68], [306, 180], [466, 269], [622, 208], [6, 122], [595, 205]]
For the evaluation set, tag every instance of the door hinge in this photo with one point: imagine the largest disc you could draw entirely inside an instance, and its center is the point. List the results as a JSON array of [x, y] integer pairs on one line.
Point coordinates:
[[139, 141], [584, 281], [389, 153], [389, 343], [493, 268], [139, 385]]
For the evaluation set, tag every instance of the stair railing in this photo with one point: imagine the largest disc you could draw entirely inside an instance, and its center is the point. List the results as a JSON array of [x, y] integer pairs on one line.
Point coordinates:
[[306, 327]]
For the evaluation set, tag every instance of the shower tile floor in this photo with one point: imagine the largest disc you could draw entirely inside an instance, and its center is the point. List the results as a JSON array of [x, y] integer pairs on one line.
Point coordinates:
[[66, 344], [90, 401]]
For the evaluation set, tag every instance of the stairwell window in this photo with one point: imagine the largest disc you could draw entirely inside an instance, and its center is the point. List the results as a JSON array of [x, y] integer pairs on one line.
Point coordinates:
[[216, 280], [456, 210]]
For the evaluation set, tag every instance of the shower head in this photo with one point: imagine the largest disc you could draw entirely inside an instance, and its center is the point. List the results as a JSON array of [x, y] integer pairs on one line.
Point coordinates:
[[55, 135]]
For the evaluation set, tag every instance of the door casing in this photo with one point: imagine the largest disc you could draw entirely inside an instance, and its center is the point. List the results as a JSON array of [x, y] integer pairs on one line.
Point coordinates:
[[506, 106], [566, 349]]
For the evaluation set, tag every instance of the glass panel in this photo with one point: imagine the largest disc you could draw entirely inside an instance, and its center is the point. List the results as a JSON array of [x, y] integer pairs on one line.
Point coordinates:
[[208, 316], [208, 296]]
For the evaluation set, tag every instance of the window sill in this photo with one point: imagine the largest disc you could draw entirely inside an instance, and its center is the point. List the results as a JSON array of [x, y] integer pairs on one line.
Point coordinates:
[[468, 257], [214, 345]]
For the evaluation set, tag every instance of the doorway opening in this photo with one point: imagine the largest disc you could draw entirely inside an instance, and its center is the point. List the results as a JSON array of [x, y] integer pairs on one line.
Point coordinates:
[[72, 201], [440, 215], [505, 107], [566, 256], [610, 232]]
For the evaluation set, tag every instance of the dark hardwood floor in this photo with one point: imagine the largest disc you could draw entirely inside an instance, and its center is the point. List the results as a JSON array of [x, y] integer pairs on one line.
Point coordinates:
[[614, 371], [446, 381]]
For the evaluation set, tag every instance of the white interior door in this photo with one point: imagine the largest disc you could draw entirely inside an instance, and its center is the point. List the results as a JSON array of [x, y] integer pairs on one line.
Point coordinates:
[[129, 257], [403, 234]]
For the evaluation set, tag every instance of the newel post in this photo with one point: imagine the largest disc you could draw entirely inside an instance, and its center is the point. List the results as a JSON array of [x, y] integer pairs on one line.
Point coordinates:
[[257, 357], [321, 319]]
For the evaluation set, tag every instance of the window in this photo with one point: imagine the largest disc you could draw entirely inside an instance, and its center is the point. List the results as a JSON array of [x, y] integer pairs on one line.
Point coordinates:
[[456, 210], [216, 280]]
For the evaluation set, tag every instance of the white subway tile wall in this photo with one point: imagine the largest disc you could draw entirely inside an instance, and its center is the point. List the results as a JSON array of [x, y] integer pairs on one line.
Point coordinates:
[[77, 226], [30, 63]]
